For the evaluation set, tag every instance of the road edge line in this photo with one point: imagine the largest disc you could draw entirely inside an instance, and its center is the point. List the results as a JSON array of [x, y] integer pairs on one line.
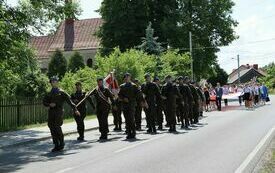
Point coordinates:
[[253, 158]]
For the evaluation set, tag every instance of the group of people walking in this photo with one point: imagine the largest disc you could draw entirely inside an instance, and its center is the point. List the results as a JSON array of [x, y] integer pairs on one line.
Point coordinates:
[[177, 100], [253, 94]]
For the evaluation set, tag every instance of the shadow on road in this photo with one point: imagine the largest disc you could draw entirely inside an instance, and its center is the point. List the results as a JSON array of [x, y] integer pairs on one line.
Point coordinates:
[[13, 159]]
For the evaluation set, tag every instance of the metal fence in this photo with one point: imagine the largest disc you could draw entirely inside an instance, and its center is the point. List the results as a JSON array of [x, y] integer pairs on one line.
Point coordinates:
[[21, 112]]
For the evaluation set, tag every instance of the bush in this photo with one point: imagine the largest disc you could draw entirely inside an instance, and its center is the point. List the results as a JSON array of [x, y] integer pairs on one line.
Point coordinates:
[[175, 64], [86, 76], [76, 62], [32, 84], [135, 62], [57, 65], [269, 79]]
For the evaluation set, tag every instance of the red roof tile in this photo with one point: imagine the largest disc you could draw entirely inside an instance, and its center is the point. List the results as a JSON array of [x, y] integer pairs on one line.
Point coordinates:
[[41, 45], [77, 35]]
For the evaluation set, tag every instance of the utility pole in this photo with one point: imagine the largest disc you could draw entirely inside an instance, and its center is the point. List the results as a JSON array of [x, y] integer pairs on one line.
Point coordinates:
[[190, 45], [239, 76]]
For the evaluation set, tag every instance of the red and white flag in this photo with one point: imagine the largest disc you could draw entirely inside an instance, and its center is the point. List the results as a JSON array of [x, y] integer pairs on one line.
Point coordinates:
[[111, 83]]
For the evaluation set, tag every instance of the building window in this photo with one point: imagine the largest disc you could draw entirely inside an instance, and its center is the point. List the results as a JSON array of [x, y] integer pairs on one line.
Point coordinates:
[[90, 62]]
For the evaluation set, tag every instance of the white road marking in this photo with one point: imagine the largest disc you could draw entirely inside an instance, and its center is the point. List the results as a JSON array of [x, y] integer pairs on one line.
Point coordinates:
[[249, 158], [135, 145], [65, 170]]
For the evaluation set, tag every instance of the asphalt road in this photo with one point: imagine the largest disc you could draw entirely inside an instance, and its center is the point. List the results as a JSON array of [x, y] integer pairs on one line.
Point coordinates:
[[219, 144]]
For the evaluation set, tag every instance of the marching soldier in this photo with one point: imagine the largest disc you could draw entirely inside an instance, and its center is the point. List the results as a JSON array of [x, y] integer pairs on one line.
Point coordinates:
[[201, 100], [102, 96], [152, 94], [76, 98], [54, 100], [116, 111], [195, 106], [159, 118], [138, 112], [170, 94], [130, 96], [187, 102]]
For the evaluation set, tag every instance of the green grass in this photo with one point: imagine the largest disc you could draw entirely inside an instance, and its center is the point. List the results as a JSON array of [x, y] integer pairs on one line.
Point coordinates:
[[272, 91], [269, 167], [68, 120]]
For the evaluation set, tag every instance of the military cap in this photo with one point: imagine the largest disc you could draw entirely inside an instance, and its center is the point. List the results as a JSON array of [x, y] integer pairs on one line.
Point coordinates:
[[186, 78], [147, 75], [156, 79], [78, 83], [99, 79], [168, 76], [54, 78], [180, 78], [126, 75]]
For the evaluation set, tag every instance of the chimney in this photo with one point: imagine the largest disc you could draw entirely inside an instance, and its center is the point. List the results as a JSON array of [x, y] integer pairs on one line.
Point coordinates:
[[247, 66], [255, 66]]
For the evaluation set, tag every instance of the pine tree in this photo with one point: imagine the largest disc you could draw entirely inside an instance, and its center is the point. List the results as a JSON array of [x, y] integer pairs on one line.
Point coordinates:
[[76, 62], [57, 65], [149, 43]]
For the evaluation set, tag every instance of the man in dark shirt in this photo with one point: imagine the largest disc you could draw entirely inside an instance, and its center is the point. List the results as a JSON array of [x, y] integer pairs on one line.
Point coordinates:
[[54, 100], [195, 106], [159, 118], [76, 98], [170, 93], [187, 100], [102, 96], [138, 112], [219, 93], [151, 93], [129, 95]]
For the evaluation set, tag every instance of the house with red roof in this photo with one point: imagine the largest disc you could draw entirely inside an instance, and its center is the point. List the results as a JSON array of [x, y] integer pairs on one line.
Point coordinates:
[[71, 35], [247, 74]]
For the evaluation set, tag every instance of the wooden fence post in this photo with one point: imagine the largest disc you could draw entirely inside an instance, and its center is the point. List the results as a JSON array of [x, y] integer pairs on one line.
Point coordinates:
[[18, 112]]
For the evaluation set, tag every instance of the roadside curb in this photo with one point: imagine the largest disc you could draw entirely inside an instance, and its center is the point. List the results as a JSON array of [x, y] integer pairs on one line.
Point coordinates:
[[254, 157], [47, 137]]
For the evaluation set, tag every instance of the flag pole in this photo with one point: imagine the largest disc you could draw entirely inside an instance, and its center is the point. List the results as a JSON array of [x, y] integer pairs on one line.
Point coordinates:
[[87, 94]]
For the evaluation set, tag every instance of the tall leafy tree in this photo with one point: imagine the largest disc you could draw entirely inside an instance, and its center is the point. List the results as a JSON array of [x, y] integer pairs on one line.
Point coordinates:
[[210, 22], [219, 75], [211, 25], [57, 65], [76, 62], [19, 69], [124, 24]]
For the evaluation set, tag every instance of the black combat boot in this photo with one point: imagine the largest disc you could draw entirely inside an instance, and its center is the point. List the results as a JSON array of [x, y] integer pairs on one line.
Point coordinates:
[[160, 127], [103, 137]]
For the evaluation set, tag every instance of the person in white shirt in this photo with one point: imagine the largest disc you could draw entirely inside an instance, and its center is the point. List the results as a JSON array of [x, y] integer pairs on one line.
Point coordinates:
[[247, 95]]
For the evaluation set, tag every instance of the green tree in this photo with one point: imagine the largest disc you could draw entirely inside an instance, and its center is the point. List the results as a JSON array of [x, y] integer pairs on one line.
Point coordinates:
[[57, 65], [212, 26], [32, 84], [86, 76], [124, 24], [219, 75], [76, 62], [269, 79], [17, 60], [44, 16], [133, 61], [149, 43], [174, 63], [210, 22]]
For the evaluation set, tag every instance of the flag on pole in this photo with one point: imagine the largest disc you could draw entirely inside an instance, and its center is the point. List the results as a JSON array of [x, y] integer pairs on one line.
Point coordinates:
[[111, 83]]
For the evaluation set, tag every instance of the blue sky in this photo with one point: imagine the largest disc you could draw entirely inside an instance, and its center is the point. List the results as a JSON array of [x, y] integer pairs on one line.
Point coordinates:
[[256, 30]]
